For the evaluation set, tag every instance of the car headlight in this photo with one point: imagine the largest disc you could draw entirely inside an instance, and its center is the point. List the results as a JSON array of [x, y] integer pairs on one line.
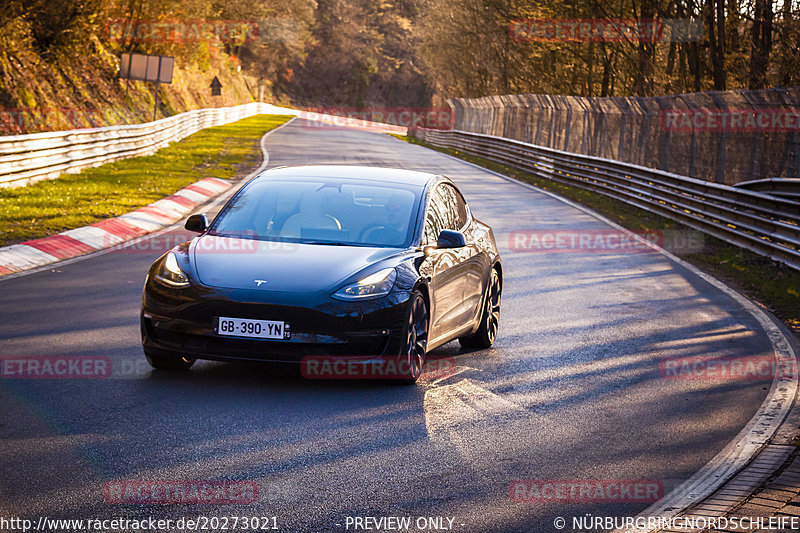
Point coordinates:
[[373, 286], [170, 273]]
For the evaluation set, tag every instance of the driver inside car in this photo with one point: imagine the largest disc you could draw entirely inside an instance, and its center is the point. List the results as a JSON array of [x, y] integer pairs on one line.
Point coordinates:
[[394, 226]]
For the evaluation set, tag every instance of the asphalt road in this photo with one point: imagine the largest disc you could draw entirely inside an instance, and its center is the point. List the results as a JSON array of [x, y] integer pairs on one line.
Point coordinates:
[[571, 390]]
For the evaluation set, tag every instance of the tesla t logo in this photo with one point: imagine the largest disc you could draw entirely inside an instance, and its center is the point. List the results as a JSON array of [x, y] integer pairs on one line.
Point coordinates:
[[259, 282]]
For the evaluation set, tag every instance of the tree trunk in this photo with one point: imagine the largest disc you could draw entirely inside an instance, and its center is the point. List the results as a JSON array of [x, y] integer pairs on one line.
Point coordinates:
[[715, 19], [761, 44], [721, 44]]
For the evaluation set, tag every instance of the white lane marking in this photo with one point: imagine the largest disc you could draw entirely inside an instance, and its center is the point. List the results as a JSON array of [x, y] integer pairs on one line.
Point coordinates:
[[764, 424], [19, 256], [223, 198]]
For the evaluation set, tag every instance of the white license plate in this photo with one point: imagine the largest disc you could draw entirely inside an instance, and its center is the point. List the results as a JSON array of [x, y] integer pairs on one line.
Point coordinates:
[[259, 329]]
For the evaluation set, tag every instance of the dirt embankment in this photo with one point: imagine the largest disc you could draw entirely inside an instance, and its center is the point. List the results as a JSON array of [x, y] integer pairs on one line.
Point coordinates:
[[79, 88]]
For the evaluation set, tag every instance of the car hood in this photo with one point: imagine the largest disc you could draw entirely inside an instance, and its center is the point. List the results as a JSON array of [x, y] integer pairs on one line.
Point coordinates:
[[283, 267]]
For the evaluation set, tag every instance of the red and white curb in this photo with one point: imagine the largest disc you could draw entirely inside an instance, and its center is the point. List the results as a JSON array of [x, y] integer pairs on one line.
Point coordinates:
[[109, 232]]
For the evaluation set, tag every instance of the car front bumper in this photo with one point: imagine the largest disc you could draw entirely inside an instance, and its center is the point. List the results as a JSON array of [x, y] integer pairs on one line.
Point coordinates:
[[185, 322]]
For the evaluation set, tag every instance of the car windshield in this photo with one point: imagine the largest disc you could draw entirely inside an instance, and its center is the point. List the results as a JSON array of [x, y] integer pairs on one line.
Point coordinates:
[[322, 211]]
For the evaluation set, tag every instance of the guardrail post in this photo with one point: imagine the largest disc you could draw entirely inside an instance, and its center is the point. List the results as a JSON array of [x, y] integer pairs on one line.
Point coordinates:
[[722, 146], [755, 154], [722, 142], [644, 139], [585, 132], [692, 153], [602, 152], [538, 126], [665, 149]]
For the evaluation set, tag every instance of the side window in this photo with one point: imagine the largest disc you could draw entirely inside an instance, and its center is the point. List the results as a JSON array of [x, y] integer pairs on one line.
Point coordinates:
[[446, 210], [461, 209], [433, 218], [454, 206]]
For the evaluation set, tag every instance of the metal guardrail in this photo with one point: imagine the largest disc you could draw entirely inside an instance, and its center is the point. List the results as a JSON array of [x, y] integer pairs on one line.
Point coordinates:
[[25, 159], [765, 224], [783, 187]]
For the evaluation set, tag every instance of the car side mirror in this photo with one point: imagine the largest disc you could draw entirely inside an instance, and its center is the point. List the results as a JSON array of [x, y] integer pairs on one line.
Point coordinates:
[[451, 239], [197, 223]]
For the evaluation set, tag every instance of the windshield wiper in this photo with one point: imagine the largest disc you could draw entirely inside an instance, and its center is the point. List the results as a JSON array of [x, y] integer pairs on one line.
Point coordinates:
[[328, 243], [334, 243]]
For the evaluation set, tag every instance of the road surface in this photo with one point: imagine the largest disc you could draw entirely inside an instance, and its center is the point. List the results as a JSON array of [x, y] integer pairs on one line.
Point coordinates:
[[571, 390]]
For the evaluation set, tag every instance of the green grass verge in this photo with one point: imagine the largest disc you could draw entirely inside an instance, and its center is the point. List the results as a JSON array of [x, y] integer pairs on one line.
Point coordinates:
[[75, 200], [770, 284]]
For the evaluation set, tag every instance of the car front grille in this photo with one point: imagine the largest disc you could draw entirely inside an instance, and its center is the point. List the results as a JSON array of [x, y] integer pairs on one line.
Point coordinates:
[[233, 348]]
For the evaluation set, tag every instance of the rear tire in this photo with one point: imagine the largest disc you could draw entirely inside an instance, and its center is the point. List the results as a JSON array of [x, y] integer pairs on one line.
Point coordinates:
[[490, 316], [166, 360]]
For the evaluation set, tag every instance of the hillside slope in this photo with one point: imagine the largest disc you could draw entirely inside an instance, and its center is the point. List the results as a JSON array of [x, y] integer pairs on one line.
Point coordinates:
[[78, 87]]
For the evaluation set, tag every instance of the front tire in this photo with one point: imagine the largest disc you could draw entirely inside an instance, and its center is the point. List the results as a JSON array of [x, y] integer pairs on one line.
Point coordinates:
[[415, 344], [490, 316], [166, 360]]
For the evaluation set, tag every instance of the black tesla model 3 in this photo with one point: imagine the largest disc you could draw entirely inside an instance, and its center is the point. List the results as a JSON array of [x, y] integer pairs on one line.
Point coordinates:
[[359, 263]]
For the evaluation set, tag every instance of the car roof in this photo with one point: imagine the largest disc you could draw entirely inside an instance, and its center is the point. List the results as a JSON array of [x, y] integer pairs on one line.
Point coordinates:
[[379, 174]]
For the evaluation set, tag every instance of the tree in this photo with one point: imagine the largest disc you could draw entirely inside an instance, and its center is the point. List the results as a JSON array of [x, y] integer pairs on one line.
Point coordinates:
[[761, 45]]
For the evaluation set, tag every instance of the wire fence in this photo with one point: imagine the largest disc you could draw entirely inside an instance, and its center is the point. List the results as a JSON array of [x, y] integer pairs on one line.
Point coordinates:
[[765, 224], [725, 137]]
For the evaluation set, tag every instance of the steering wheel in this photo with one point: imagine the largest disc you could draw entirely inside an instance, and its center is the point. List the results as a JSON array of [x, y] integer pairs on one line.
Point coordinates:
[[335, 221], [370, 227]]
